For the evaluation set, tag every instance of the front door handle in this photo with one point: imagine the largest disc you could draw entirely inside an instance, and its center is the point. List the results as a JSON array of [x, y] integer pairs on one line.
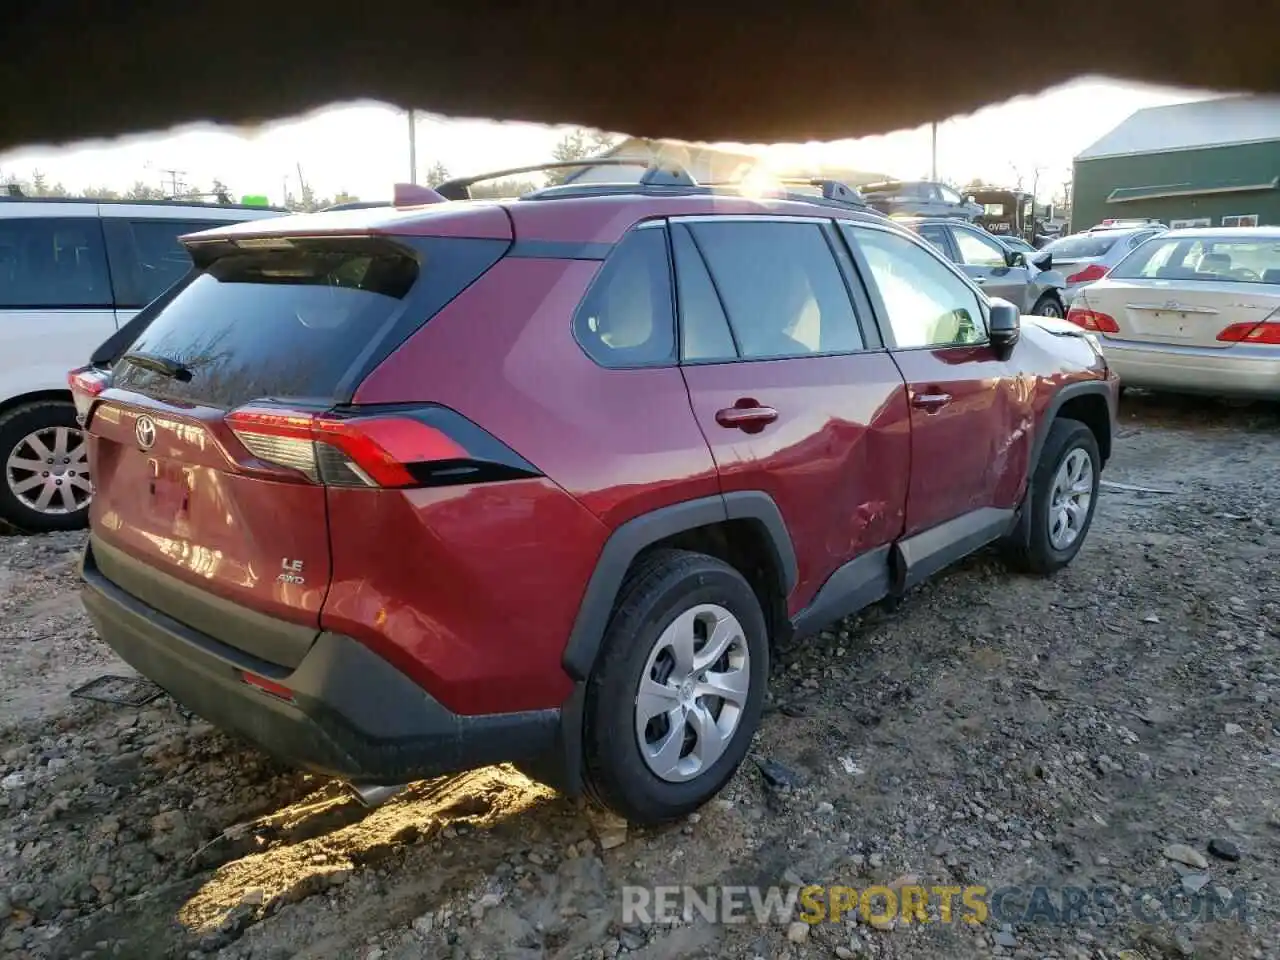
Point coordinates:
[[930, 402], [746, 415], [979, 280]]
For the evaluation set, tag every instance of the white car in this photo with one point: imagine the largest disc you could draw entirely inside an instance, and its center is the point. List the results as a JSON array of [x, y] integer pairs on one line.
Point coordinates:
[[1192, 311], [71, 273]]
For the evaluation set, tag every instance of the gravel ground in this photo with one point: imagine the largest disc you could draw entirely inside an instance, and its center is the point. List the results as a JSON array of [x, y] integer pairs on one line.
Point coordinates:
[[1115, 727]]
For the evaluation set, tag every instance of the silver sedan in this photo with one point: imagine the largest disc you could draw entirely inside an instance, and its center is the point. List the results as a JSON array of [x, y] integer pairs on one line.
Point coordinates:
[[1030, 281], [1192, 311]]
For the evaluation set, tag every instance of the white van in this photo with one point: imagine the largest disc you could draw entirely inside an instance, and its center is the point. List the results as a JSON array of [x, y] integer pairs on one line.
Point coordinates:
[[71, 273]]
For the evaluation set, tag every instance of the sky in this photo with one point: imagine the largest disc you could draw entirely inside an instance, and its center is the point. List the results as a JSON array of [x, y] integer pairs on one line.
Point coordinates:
[[362, 148]]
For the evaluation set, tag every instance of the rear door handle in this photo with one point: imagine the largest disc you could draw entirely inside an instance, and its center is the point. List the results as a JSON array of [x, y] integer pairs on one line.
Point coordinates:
[[746, 415], [930, 401]]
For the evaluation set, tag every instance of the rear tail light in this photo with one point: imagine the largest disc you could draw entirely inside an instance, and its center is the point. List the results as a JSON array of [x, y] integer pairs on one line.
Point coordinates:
[[1266, 332], [1094, 271], [86, 384], [425, 446], [1093, 320]]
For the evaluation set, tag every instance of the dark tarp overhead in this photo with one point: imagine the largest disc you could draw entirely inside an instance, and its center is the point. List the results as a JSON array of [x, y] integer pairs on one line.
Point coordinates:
[[746, 71]]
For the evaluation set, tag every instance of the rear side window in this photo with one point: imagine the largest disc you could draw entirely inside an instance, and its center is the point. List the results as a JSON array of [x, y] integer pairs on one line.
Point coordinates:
[[53, 262], [627, 318], [704, 329], [781, 287], [146, 257], [304, 322], [936, 234]]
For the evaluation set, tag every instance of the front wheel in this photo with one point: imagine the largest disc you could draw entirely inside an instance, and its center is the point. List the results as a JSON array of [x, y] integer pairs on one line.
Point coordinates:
[[1049, 305], [677, 692], [46, 484], [1061, 499]]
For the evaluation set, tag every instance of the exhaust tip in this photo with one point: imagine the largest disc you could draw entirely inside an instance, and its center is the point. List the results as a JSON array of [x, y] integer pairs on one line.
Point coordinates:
[[374, 796]]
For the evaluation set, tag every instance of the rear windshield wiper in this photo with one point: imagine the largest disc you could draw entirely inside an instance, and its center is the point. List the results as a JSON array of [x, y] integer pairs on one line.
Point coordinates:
[[161, 365]]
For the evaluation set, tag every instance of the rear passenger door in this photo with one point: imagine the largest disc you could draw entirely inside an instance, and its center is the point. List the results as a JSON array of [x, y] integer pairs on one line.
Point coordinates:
[[55, 296], [794, 393], [146, 257]]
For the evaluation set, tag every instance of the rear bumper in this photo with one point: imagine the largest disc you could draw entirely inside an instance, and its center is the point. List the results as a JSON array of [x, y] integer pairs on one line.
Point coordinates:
[[352, 715], [1241, 370]]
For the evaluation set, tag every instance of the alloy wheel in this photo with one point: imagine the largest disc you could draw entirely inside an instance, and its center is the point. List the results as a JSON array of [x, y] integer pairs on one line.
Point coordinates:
[[48, 471]]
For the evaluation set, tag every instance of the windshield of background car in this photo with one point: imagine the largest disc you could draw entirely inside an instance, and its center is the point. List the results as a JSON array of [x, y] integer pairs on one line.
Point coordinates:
[[1203, 258], [1082, 245]]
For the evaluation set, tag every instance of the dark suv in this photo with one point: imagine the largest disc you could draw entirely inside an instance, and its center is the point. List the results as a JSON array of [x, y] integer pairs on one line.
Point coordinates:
[[407, 490], [920, 198]]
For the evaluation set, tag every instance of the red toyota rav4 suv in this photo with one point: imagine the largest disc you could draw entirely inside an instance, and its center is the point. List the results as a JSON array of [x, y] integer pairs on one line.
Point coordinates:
[[400, 491]]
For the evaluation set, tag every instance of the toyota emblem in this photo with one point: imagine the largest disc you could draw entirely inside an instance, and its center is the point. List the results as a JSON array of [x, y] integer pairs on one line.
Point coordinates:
[[145, 431]]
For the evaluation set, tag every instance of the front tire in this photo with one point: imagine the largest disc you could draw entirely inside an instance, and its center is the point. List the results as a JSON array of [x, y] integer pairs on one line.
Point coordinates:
[[1061, 499], [44, 468], [677, 692], [1049, 305]]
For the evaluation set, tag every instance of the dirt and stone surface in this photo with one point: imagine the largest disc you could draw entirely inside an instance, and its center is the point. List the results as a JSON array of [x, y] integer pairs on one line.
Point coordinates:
[[1115, 727]]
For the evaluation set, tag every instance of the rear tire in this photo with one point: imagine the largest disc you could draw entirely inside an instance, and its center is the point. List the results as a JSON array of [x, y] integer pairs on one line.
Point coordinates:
[[47, 431], [685, 624], [1054, 530]]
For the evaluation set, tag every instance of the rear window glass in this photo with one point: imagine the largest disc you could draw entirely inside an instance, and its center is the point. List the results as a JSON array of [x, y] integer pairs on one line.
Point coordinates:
[[1082, 246], [1203, 258], [298, 322], [53, 262]]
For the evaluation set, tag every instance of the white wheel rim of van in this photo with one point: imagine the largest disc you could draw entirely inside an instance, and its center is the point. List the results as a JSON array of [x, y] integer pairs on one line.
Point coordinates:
[[48, 471]]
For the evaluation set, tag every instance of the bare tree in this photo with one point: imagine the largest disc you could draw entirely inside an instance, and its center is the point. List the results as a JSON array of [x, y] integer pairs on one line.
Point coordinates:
[[578, 144], [437, 175]]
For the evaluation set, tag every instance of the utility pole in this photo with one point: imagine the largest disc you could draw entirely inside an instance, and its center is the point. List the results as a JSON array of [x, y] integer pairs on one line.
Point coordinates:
[[413, 147], [933, 151], [173, 180]]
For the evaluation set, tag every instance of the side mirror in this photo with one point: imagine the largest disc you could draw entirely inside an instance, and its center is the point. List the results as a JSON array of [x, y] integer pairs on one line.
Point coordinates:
[[1044, 261], [1004, 325]]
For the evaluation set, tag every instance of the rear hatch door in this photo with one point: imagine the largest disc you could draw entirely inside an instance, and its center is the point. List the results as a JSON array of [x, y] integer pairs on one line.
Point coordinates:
[[203, 508]]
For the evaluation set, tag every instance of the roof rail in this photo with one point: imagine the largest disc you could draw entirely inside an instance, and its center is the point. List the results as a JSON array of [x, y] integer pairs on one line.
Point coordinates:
[[656, 174], [831, 189]]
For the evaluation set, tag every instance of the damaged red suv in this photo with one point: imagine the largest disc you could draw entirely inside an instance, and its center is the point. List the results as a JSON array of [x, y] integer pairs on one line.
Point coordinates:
[[406, 490]]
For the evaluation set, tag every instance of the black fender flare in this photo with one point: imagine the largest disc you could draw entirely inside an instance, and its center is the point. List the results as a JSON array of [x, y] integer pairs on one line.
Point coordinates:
[[1072, 390], [630, 538]]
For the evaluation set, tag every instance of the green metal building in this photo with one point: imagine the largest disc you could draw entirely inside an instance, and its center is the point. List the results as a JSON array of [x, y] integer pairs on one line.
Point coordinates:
[[1207, 163]]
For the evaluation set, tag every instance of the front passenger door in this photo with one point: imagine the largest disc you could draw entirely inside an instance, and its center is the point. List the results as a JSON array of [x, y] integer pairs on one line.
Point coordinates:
[[983, 260], [970, 416]]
